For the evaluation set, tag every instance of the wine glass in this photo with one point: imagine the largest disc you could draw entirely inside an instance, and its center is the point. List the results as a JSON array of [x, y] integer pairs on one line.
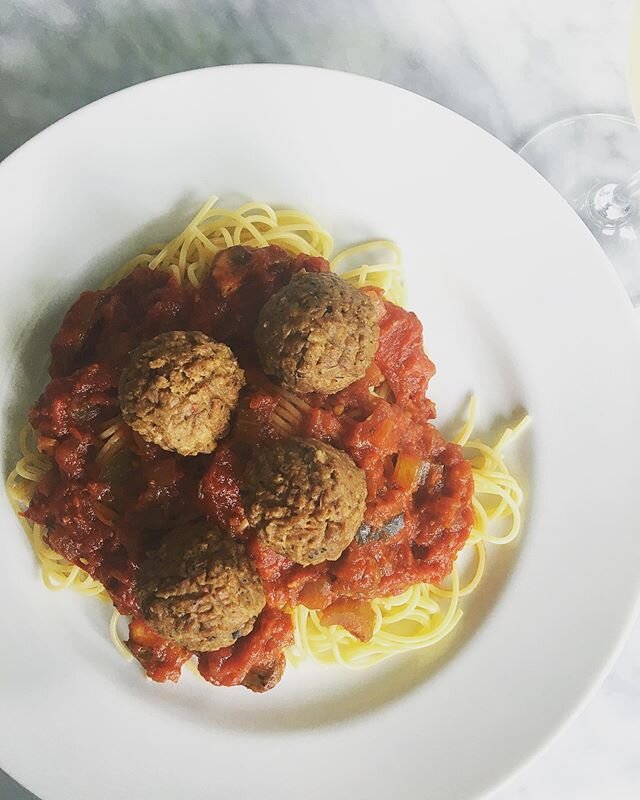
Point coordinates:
[[593, 160]]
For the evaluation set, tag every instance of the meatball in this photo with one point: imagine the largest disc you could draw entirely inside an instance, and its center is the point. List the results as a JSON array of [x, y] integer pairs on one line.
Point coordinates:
[[317, 334], [305, 499], [200, 589], [179, 390]]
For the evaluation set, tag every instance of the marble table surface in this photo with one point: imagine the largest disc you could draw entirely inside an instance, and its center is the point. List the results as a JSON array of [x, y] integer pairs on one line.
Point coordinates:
[[511, 66]]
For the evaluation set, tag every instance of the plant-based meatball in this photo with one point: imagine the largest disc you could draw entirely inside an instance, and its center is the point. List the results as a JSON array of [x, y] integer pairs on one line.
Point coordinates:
[[317, 334], [200, 589], [305, 499], [179, 390]]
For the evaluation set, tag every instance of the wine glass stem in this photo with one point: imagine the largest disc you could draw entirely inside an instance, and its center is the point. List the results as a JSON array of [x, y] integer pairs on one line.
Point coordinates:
[[610, 205], [629, 189]]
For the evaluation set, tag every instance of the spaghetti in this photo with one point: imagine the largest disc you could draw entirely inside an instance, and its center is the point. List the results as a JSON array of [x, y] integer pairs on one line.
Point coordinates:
[[417, 618]]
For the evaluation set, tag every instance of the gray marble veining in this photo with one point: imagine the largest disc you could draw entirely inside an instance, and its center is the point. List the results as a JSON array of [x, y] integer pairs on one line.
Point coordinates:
[[508, 66], [511, 66]]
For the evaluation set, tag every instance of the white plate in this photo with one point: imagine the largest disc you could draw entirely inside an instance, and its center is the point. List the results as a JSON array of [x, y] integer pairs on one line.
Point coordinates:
[[519, 305]]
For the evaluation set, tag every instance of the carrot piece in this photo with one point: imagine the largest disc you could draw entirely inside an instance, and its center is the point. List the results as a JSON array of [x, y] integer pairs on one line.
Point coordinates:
[[355, 616], [407, 471]]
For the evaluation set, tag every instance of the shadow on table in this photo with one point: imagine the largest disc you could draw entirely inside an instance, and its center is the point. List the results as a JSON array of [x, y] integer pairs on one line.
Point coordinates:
[[10, 790]]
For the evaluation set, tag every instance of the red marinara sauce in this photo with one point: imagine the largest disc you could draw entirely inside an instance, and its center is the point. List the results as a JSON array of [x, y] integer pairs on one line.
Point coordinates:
[[105, 515]]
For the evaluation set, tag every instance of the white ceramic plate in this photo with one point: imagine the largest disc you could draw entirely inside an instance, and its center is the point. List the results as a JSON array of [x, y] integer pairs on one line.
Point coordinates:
[[519, 305]]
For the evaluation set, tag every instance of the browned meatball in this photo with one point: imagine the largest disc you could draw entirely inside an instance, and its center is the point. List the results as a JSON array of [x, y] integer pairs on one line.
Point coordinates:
[[179, 390], [200, 589], [305, 499], [317, 334]]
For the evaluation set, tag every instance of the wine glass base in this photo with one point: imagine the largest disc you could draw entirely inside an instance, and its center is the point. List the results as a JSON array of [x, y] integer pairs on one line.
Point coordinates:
[[577, 156]]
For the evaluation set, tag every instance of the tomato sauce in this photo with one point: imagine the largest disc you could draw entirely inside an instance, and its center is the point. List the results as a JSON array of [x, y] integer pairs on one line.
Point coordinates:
[[105, 515]]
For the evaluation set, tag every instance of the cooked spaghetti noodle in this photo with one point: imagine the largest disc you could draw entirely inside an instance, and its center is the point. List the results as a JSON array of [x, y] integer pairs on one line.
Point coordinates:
[[417, 618]]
